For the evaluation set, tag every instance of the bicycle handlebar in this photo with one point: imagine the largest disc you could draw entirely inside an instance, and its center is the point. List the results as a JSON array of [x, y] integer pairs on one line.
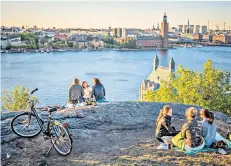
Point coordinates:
[[33, 91]]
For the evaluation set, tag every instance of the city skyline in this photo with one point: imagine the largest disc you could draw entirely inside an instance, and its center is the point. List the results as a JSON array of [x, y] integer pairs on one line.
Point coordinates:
[[114, 14]]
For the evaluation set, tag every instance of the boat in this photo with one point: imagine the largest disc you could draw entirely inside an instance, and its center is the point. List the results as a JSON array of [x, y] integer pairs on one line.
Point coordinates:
[[42, 51], [85, 49], [60, 50], [199, 46], [36, 51], [47, 51]]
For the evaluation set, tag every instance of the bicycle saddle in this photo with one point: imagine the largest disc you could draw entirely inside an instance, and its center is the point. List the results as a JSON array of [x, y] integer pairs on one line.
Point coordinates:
[[52, 109]]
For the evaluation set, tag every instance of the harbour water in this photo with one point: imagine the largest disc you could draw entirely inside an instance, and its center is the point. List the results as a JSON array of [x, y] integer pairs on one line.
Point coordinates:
[[120, 72]]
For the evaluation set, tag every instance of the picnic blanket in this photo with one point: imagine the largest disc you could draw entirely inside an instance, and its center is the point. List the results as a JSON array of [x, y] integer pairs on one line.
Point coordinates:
[[206, 149]]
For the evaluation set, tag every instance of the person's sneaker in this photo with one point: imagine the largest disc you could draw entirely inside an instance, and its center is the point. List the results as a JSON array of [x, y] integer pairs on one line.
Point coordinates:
[[222, 151], [163, 146]]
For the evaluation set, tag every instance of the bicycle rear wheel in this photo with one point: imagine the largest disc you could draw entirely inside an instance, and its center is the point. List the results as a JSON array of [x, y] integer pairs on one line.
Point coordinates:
[[26, 125], [61, 140]]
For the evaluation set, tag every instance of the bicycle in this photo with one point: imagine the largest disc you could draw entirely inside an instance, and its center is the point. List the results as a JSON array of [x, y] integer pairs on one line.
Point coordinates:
[[33, 125]]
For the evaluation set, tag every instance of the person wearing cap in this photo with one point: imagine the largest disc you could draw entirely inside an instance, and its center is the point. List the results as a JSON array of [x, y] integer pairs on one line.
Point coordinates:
[[190, 137]]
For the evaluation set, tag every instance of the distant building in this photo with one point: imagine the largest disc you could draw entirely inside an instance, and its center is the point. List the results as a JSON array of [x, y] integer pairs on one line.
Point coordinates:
[[188, 27], [61, 36], [117, 32], [197, 29], [164, 31], [130, 32], [185, 28], [204, 29], [181, 28], [148, 41], [191, 29], [222, 38], [158, 74], [78, 37]]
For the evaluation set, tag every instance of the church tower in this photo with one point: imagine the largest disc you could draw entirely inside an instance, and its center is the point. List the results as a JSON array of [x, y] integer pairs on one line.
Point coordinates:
[[155, 63], [164, 31], [171, 65], [188, 27]]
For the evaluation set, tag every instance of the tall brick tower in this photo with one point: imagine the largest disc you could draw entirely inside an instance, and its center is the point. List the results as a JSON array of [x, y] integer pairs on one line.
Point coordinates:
[[164, 31]]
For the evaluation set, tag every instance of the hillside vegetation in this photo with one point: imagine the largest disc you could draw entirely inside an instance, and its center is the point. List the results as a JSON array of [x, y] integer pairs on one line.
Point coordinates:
[[207, 89]]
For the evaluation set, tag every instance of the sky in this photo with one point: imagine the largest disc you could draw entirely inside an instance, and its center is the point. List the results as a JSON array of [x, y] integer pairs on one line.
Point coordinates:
[[129, 14]]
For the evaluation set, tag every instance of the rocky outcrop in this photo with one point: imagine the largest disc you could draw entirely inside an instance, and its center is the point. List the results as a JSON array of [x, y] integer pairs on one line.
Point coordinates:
[[106, 132], [107, 117]]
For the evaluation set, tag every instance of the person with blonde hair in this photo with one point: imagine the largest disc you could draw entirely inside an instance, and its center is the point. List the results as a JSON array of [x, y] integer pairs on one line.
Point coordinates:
[[190, 137], [98, 90], [75, 92], [163, 127]]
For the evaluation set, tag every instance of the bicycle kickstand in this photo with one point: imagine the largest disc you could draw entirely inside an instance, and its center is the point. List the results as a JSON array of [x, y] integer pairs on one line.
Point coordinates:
[[50, 149]]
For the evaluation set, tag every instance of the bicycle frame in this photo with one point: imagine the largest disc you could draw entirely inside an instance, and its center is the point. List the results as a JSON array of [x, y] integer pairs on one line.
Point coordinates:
[[41, 122]]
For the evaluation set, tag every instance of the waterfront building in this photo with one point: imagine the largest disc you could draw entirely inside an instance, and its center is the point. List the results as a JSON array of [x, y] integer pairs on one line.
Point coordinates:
[[181, 28], [197, 29], [78, 38], [164, 31], [191, 29], [204, 29], [158, 74], [222, 38], [60, 36], [207, 38], [144, 41]]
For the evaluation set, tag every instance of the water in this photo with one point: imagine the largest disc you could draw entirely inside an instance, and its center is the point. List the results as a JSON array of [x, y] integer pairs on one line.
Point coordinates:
[[120, 72]]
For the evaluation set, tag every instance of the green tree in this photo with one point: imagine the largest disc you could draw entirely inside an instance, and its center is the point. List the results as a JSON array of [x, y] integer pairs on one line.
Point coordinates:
[[70, 44], [17, 99], [206, 89]]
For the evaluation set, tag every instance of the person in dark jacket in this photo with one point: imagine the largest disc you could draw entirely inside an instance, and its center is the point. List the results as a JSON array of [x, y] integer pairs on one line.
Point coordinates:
[[98, 90], [163, 125]]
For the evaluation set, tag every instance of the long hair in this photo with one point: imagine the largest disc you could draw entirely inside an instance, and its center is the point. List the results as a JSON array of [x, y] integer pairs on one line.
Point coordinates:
[[96, 81], [85, 82], [163, 112], [211, 118], [209, 115], [205, 112]]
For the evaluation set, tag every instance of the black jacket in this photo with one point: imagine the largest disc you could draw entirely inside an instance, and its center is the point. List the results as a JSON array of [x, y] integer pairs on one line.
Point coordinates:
[[164, 126]]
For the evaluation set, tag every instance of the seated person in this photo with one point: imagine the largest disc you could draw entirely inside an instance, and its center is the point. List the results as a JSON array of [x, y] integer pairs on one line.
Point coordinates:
[[208, 127], [75, 92], [190, 137], [98, 90], [87, 91], [163, 126]]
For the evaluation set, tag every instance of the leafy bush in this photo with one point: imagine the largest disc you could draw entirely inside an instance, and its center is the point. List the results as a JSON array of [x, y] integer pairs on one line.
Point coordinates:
[[206, 89], [17, 99]]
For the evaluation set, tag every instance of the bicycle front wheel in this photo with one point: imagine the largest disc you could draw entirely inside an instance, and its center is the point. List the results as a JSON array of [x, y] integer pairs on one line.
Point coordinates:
[[26, 125], [61, 140]]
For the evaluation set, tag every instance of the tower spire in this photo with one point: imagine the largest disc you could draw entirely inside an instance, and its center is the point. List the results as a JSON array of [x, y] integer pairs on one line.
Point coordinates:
[[188, 26]]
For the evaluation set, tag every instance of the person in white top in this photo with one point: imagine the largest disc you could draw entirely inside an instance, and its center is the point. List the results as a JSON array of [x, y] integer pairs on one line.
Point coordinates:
[[87, 90]]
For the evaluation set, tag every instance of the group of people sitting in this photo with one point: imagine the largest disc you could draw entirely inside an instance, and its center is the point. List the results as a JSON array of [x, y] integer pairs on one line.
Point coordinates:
[[194, 135], [81, 93]]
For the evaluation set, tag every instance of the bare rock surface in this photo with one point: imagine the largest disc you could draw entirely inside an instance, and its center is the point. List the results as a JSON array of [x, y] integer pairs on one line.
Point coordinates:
[[108, 132]]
